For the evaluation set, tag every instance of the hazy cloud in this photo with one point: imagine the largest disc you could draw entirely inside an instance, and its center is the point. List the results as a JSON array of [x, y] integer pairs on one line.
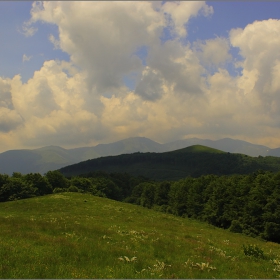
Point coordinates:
[[26, 58], [27, 30], [54, 41], [150, 86]]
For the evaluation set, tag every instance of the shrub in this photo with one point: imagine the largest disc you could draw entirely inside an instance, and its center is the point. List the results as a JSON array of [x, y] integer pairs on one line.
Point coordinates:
[[253, 251], [73, 189], [58, 190]]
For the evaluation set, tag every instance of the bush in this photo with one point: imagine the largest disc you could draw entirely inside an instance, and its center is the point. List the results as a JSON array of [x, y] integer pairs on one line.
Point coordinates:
[[58, 190], [253, 251], [73, 189]]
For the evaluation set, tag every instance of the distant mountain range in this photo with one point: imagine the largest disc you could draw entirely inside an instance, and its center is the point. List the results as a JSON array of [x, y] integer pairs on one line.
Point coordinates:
[[53, 157]]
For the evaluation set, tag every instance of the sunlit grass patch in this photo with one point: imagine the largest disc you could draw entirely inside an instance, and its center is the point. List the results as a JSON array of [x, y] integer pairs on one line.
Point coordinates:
[[68, 238]]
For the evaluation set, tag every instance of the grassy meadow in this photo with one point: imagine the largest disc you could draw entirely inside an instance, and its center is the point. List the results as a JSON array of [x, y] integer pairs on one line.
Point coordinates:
[[73, 235]]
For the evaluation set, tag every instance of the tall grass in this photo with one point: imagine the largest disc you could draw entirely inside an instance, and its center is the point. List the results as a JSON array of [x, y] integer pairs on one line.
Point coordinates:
[[74, 235]]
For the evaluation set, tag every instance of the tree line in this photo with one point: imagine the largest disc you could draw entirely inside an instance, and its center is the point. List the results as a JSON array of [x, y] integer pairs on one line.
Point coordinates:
[[248, 204]]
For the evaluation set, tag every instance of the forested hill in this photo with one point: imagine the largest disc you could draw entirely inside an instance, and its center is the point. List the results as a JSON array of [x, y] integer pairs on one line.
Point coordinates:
[[192, 161]]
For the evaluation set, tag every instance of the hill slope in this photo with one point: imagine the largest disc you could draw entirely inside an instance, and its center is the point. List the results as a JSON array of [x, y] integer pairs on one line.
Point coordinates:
[[67, 235], [192, 161], [226, 145]]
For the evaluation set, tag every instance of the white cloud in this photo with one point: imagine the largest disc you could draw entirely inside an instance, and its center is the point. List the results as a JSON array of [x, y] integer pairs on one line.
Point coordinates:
[[102, 36], [213, 52], [181, 11], [52, 104], [259, 45], [9, 117], [174, 66], [85, 101]]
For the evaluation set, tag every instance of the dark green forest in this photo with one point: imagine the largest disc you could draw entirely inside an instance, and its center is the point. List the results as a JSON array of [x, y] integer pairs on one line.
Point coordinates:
[[192, 161], [248, 203]]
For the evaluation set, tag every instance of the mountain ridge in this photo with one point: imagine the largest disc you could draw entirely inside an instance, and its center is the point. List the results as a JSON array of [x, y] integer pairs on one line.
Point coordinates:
[[54, 157]]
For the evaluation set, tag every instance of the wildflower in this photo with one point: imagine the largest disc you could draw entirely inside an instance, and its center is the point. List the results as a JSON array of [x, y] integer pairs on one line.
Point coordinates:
[[203, 266], [125, 258]]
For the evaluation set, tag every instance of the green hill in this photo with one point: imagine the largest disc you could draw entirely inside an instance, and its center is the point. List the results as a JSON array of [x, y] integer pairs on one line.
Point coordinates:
[[71, 235], [192, 161], [198, 149]]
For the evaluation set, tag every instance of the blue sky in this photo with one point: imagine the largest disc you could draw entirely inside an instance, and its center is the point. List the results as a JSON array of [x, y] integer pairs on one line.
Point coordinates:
[[169, 71], [227, 15]]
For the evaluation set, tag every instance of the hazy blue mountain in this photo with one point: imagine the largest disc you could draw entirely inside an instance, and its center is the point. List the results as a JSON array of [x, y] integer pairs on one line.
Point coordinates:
[[274, 152], [129, 145], [54, 157], [37, 160]]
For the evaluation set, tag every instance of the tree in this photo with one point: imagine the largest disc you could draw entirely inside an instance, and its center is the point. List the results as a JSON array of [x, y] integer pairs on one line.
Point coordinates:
[[161, 193], [57, 180], [105, 187], [148, 194], [39, 182], [16, 188], [178, 196], [83, 184], [272, 231]]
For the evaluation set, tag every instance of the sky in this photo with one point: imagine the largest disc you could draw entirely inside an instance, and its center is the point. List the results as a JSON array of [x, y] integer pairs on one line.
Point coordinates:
[[76, 74]]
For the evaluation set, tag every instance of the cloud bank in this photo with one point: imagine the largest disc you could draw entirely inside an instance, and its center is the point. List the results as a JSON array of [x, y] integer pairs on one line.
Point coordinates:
[[181, 89]]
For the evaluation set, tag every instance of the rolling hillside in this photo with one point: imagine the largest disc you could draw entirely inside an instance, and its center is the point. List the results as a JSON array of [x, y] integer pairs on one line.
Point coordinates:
[[79, 236], [192, 161]]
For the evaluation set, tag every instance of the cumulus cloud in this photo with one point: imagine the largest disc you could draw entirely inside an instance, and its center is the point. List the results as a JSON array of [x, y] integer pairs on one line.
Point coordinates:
[[9, 117], [101, 36], [179, 13], [259, 45], [150, 86], [84, 101], [52, 104], [178, 65], [213, 52]]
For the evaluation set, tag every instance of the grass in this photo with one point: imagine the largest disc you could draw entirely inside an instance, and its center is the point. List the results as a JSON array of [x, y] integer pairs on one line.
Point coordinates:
[[73, 235]]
